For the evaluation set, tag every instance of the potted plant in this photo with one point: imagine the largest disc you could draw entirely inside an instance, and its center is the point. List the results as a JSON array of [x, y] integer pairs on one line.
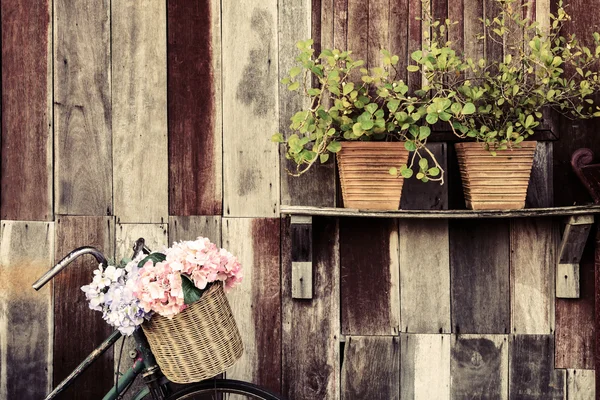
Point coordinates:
[[495, 104], [364, 116]]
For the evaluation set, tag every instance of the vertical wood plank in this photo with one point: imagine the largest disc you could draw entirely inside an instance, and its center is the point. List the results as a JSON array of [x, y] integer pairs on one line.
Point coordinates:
[[340, 27], [575, 328], [532, 373], [250, 160], [532, 261], [369, 276], [72, 316], [256, 303], [414, 40], [540, 192], [358, 32], [82, 108], [399, 35], [317, 186], [580, 384], [479, 264], [425, 367], [26, 318], [155, 236], [194, 107], [140, 151], [424, 268], [479, 367], [189, 228], [417, 195], [26, 171], [472, 27], [311, 329], [371, 368], [378, 31]]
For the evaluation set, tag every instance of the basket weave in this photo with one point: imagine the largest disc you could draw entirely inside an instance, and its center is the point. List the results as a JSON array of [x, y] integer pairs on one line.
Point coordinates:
[[200, 342]]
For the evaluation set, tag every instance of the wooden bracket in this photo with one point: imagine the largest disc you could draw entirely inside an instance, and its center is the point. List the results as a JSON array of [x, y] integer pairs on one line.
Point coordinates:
[[569, 254], [302, 268]]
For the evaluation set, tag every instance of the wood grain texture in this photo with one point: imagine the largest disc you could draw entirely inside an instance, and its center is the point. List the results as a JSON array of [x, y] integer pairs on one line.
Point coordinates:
[[317, 186], [414, 40], [26, 171], [424, 269], [532, 373], [311, 329], [194, 109], [256, 303], [580, 384], [250, 160], [378, 31], [399, 28], [472, 12], [575, 330], [540, 192], [532, 260], [82, 109], [155, 236], [568, 282], [72, 316], [189, 228], [369, 277], [479, 265], [417, 195], [479, 367], [371, 368], [358, 31], [340, 24], [425, 367], [140, 151], [26, 317]]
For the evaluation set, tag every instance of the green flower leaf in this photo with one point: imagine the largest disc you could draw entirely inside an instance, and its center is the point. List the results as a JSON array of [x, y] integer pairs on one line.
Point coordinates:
[[410, 145], [468, 109], [431, 118], [424, 132], [412, 68], [334, 146], [277, 138], [191, 293], [394, 171], [154, 257], [324, 158], [435, 171], [348, 87], [423, 164], [294, 86]]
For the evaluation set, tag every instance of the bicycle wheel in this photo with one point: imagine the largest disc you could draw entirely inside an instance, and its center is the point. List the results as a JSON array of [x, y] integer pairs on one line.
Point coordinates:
[[223, 389]]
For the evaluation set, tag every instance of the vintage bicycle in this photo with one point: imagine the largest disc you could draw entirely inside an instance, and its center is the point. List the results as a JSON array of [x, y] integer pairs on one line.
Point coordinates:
[[158, 386]]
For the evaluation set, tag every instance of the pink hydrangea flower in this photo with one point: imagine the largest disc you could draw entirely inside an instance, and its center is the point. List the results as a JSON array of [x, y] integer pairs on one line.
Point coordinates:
[[159, 288]]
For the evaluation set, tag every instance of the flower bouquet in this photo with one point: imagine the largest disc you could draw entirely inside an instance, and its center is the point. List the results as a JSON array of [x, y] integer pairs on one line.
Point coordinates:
[[177, 296]]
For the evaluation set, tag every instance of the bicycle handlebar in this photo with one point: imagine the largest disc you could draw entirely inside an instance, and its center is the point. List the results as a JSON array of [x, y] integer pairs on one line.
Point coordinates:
[[68, 259]]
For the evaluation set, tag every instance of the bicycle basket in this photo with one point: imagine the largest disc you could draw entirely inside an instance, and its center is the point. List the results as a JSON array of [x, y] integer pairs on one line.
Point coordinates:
[[200, 342]]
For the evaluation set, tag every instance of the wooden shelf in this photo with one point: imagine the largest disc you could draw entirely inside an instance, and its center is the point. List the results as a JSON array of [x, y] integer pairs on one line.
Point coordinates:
[[452, 214]]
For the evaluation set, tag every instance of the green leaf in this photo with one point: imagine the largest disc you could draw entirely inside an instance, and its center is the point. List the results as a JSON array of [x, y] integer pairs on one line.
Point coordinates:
[[366, 125], [515, 90], [406, 172], [456, 108], [277, 138], [529, 121], [348, 87], [154, 257], [412, 68], [294, 86], [424, 132], [295, 71], [468, 109], [423, 164], [435, 171], [191, 293], [410, 145], [420, 175], [444, 116], [371, 108], [334, 146], [394, 171], [432, 118], [324, 158], [392, 105]]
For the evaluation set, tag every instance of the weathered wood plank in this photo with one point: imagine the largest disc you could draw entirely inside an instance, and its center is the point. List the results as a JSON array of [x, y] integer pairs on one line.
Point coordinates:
[[456, 14], [26, 317], [256, 303], [155, 236], [189, 228], [479, 265], [369, 277], [540, 192], [575, 330], [26, 171], [532, 260], [140, 151], [72, 316], [494, 46], [399, 35], [443, 214], [370, 359], [580, 384], [317, 186], [473, 11], [532, 373], [479, 367], [568, 283], [311, 362], [250, 165], [425, 367], [194, 107], [424, 269], [378, 30], [82, 109], [414, 40], [417, 195]]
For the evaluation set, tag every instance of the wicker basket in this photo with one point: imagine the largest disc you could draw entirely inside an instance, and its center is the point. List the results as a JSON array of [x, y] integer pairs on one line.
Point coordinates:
[[200, 342]]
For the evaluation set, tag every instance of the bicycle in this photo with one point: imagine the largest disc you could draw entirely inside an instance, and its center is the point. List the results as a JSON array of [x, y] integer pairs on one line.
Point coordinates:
[[158, 386]]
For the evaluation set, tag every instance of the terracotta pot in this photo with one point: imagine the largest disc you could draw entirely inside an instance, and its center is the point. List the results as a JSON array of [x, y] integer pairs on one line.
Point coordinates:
[[364, 174], [495, 182]]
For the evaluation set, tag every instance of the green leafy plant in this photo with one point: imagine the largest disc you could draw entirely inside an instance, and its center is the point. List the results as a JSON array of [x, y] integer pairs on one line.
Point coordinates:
[[500, 101], [349, 102]]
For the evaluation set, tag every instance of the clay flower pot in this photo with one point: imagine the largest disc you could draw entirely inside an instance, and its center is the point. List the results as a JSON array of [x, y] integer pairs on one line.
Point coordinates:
[[364, 174], [495, 182]]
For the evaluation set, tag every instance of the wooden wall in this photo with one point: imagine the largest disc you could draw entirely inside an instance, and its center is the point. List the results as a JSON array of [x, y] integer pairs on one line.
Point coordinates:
[[123, 119]]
